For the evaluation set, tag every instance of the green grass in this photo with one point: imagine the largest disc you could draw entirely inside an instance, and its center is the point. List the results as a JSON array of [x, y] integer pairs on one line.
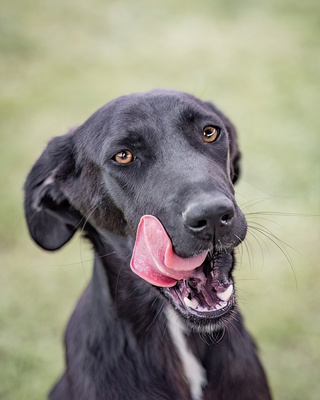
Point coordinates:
[[259, 61]]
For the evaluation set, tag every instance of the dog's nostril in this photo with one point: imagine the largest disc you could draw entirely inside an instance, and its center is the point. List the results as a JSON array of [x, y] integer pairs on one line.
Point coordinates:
[[200, 224], [226, 218], [196, 223]]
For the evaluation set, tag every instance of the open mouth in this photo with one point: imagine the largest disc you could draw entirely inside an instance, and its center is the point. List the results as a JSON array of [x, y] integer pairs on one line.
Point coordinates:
[[199, 287], [208, 293]]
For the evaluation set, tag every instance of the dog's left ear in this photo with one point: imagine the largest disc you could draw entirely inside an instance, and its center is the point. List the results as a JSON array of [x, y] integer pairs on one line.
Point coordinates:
[[235, 155]]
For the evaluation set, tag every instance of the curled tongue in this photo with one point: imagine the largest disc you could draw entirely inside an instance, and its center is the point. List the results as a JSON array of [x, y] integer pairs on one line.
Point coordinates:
[[153, 258]]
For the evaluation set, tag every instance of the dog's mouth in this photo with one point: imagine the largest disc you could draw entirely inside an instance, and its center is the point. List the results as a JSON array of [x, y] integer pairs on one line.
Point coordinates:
[[208, 293], [199, 287]]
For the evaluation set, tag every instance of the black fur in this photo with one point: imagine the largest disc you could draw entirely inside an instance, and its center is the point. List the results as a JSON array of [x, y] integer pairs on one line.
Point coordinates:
[[117, 342]]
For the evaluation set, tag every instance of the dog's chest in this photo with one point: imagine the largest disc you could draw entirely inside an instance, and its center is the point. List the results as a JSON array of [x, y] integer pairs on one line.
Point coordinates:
[[193, 370]]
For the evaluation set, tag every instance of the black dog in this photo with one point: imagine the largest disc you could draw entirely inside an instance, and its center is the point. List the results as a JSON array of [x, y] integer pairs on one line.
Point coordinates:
[[168, 327]]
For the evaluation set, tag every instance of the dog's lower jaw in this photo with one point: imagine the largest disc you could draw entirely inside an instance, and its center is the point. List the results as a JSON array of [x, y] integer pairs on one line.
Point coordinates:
[[210, 325]]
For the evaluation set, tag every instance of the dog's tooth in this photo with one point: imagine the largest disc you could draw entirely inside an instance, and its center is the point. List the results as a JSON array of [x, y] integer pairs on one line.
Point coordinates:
[[225, 296], [191, 303], [220, 305], [188, 302]]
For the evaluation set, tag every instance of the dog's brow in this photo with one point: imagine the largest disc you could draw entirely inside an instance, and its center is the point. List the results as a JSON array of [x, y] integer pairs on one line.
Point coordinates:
[[198, 115], [131, 137]]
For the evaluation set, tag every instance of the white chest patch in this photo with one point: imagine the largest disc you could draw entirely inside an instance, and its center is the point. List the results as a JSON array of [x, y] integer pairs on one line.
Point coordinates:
[[193, 370]]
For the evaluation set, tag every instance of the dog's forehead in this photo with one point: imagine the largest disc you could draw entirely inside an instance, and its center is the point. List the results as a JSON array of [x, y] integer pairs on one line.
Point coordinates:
[[160, 104], [158, 111], [139, 117]]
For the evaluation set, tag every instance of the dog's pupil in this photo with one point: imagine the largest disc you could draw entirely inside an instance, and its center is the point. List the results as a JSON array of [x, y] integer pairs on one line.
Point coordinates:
[[209, 132], [124, 156]]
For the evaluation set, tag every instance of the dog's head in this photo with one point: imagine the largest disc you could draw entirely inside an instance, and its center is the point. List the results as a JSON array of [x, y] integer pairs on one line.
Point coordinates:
[[159, 167]]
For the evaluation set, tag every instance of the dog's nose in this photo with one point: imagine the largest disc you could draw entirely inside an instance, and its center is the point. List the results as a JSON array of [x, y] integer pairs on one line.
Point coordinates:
[[213, 215]]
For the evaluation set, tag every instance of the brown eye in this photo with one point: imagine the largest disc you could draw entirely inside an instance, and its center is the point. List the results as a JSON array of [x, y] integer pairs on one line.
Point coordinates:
[[210, 134], [123, 157]]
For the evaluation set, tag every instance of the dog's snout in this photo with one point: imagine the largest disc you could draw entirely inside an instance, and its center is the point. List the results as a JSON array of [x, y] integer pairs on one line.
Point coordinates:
[[210, 215]]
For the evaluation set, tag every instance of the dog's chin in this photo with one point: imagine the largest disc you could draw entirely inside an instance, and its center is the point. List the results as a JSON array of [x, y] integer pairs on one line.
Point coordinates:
[[211, 324], [206, 301]]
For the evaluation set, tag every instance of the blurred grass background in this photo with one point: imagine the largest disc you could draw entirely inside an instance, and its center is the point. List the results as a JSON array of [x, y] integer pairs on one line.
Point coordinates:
[[257, 60]]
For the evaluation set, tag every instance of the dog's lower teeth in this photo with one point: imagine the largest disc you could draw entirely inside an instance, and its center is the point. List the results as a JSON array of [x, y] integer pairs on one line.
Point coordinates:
[[220, 305], [191, 303], [195, 305], [225, 296]]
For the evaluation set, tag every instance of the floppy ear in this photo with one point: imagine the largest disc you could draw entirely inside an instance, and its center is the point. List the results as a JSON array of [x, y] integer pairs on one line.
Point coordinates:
[[235, 155], [51, 219]]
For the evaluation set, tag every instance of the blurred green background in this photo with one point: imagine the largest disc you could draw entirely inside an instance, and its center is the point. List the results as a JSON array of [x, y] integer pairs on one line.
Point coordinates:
[[259, 61]]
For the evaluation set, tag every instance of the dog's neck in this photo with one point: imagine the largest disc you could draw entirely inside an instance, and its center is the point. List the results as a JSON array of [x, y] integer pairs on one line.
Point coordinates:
[[139, 307]]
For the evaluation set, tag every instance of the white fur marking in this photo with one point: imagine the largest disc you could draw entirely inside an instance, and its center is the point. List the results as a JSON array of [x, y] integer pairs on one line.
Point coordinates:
[[194, 372]]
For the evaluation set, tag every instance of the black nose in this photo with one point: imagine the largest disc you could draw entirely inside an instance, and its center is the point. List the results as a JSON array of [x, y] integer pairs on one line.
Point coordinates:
[[210, 215]]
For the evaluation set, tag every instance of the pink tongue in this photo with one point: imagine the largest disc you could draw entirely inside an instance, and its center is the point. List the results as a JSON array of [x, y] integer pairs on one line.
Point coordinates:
[[153, 258]]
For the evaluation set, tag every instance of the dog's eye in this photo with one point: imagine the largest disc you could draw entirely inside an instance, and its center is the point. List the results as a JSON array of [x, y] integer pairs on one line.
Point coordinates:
[[123, 157], [210, 134]]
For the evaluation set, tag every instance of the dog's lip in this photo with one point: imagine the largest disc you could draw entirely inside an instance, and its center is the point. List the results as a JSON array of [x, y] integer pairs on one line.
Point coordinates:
[[187, 309]]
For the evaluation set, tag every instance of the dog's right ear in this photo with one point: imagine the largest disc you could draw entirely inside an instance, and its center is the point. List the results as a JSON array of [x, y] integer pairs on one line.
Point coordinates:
[[51, 219]]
